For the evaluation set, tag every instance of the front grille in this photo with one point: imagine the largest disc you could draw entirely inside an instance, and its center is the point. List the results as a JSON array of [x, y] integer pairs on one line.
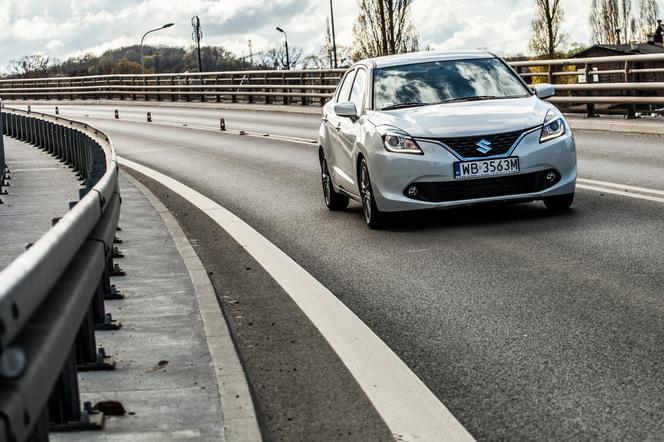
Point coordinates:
[[460, 190], [466, 147]]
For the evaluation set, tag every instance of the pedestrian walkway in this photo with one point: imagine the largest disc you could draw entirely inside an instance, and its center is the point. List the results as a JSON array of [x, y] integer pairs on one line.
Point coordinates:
[[164, 376], [40, 190]]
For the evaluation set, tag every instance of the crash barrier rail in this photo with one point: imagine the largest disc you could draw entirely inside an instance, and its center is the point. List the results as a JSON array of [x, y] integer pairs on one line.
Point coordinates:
[[619, 80], [52, 295], [3, 166]]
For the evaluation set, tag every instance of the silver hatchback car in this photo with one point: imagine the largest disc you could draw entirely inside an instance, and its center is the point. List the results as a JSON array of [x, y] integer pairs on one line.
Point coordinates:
[[440, 130]]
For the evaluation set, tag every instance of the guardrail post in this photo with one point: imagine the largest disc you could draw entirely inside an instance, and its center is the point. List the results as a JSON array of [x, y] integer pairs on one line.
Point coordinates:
[[629, 77], [64, 404], [590, 107]]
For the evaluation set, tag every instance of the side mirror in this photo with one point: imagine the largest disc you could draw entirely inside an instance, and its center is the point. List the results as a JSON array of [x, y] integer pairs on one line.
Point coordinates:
[[346, 109], [544, 90]]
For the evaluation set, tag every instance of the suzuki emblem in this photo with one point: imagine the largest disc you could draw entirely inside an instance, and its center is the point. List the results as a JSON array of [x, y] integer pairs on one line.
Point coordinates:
[[483, 146]]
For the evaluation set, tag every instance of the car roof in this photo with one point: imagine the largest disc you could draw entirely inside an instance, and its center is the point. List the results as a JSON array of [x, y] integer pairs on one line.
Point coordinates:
[[423, 57]]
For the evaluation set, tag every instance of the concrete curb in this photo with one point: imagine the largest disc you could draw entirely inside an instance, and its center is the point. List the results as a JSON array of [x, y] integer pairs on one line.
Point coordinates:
[[613, 125], [239, 415]]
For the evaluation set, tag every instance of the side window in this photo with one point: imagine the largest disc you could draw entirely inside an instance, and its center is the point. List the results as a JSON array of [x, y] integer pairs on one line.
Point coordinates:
[[359, 87], [344, 91]]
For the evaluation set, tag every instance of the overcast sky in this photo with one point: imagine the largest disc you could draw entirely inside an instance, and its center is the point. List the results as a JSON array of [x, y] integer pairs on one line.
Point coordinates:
[[64, 28]]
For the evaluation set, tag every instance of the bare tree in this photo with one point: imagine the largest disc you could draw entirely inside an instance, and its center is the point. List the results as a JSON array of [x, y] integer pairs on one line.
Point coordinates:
[[647, 21], [610, 21], [596, 23], [275, 58], [625, 19], [548, 36], [384, 27], [33, 66]]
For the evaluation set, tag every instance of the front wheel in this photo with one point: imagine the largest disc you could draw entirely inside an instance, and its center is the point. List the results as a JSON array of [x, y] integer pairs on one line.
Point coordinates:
[[333, 200], [375, 218], [559, 202]]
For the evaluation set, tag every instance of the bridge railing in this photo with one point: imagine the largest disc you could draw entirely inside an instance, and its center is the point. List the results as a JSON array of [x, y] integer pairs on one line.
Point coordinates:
[[292, 86], [52, 295], [628, 80], [619, 80]]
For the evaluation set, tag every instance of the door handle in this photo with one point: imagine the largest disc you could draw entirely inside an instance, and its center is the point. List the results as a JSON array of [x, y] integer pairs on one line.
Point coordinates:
[[338, 127], [325, 118]]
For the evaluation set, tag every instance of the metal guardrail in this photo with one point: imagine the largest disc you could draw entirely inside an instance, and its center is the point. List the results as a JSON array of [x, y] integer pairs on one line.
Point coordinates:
[[580, 80], [52, 295], [3, 166]]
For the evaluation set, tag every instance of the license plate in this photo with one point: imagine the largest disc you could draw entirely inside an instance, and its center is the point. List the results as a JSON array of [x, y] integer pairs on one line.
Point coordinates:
[[471, 169]]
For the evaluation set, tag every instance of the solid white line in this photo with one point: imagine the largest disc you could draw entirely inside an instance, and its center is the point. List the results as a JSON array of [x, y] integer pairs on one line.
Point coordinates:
[[620, 186], [408, 407], [621, 193]]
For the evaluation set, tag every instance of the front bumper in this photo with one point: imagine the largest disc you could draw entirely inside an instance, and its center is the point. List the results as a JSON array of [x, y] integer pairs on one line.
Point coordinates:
[[392, 173]]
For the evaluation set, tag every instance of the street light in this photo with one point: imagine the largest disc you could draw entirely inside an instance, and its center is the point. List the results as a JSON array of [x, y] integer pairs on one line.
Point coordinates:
[[286, 43], [167, 25]]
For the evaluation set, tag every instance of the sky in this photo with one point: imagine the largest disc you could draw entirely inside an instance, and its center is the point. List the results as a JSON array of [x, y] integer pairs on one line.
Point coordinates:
[[62, 29]]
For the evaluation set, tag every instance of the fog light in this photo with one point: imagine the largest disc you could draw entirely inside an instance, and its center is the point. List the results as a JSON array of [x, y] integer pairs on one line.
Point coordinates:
[[551, 176], [412, 191]]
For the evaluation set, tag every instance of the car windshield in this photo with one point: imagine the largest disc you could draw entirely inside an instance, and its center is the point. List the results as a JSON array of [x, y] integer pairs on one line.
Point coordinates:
[[443, 82]]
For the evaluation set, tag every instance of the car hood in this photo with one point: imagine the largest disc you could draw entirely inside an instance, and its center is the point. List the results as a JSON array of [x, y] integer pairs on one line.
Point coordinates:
[[466, 118]]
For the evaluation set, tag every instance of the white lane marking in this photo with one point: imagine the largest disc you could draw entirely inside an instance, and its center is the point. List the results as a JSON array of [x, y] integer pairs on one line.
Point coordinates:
[[621, 186], [408, 407], [621, 193]]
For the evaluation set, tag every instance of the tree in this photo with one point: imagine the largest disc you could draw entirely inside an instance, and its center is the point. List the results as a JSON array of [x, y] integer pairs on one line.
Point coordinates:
[[33, 66], [124, 66], [647, 21], [275, 58], [625, 19], [610, 21], [595, 20], [547, 37], [384, 27]]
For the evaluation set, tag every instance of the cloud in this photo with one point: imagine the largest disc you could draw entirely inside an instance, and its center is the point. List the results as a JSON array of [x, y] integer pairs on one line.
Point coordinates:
[[64, 28]]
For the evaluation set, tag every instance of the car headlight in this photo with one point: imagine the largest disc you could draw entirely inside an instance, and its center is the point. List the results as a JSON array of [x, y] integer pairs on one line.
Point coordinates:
[[397, 141], [553, 127]]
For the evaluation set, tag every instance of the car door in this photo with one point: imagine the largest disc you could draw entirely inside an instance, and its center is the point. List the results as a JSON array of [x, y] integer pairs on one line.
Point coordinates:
[[349, 132], [333, 124]]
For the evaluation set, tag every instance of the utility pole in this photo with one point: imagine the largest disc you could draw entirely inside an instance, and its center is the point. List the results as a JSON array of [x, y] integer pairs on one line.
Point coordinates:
[[196, 36], [334, 40]]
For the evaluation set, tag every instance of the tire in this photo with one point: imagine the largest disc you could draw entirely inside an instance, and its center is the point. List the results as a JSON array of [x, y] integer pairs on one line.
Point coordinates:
[[559, 203], [374, 218], [333, 200]]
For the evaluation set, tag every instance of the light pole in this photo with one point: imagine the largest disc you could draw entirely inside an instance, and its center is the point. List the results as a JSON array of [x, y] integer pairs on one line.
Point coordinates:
[[286, 43], [167, 25], [334, 40]]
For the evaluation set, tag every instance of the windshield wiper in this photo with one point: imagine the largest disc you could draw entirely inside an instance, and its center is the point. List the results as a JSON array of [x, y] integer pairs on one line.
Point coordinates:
[[472, 98], [403, 105]]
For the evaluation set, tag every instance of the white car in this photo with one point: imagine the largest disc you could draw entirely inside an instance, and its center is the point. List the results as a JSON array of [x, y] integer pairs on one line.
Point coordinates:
[[440, 130]]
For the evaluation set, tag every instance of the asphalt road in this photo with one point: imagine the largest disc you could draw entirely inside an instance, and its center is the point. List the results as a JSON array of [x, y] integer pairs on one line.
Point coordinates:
[[527, 325]]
